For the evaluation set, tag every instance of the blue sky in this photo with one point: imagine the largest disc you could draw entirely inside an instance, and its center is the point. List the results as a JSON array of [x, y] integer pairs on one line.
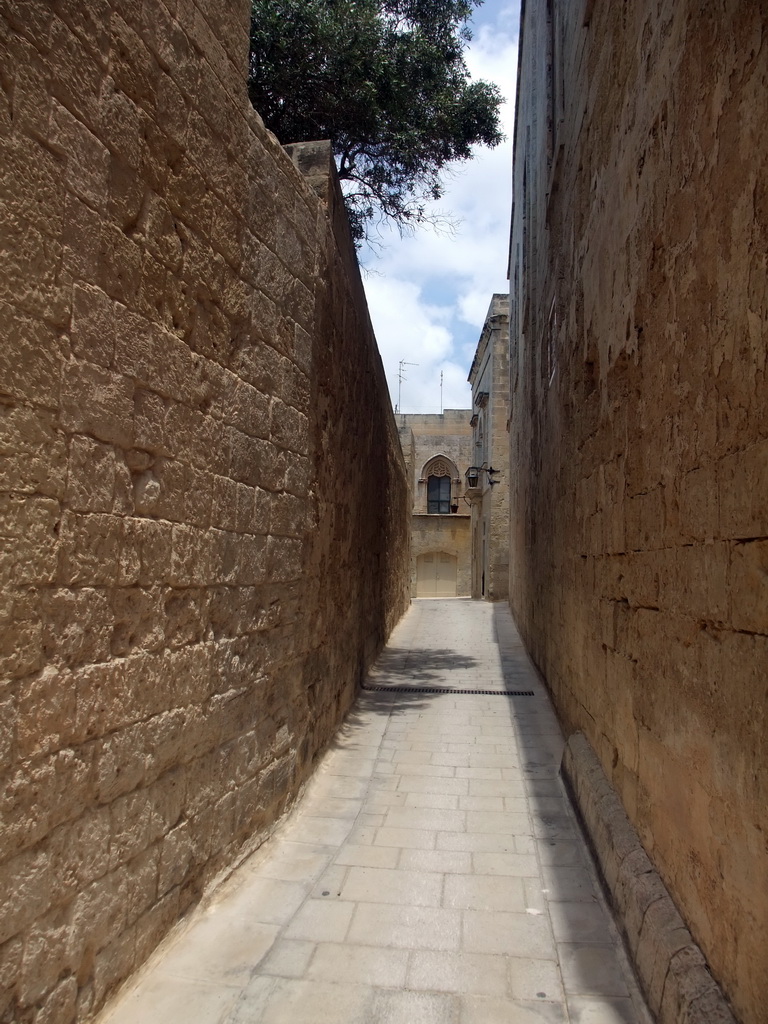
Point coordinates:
[[428, 293]]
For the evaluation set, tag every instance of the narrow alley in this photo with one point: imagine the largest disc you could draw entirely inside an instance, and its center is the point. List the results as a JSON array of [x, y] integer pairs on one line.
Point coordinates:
[[432, 872]]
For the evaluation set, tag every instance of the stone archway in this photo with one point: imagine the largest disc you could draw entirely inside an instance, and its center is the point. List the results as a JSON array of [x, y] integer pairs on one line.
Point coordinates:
[[438, 485]]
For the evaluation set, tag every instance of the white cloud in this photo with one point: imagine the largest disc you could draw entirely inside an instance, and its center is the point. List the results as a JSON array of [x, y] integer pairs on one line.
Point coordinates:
[[429, 293], [409, 329], [473, 306]]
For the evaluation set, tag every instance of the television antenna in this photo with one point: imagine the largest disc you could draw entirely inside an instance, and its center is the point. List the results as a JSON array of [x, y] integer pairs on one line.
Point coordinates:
[[400, 378]]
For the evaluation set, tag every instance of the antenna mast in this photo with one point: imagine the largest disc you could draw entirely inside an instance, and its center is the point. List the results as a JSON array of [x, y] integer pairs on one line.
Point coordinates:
[[400, 378], [441, 392]]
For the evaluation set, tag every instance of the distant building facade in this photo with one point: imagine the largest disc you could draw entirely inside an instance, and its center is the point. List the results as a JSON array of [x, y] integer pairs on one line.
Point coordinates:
[[488, 489], [438, 452]]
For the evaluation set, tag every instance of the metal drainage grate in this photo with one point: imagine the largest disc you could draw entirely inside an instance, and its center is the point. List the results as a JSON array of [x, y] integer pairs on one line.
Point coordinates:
[[446, 689]]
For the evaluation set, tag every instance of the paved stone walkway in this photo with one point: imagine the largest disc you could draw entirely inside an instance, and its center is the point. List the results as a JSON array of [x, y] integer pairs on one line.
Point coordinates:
[[432, 874]]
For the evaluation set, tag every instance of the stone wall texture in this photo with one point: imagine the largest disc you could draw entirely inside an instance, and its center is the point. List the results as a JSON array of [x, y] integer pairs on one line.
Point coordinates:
[[639, 545], [203, 502], [431, 534], [489, 380], [448, 433], [423, 437]]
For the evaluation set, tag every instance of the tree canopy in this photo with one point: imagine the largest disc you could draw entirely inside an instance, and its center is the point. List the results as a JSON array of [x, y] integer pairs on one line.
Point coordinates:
[[386, 82]]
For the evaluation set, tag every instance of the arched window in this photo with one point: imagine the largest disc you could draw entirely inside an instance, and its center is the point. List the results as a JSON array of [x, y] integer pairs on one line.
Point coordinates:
[[439, 473], [438, 495]]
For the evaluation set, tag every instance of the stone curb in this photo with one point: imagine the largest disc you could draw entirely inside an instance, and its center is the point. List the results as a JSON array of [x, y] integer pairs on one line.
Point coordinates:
[[670, 966]]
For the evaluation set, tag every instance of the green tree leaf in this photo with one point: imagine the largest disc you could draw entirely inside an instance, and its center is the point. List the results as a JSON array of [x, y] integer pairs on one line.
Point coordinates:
[[386, 82]]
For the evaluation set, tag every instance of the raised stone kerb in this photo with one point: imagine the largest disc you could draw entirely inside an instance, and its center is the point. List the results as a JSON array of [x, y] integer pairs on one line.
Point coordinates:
[[670, 966]]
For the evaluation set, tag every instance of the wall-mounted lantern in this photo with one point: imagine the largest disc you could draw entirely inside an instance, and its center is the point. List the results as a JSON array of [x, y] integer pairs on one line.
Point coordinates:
[[473, 476]]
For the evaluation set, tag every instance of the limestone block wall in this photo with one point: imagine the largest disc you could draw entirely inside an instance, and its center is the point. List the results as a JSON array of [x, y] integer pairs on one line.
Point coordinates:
[[639, 433], [422, 437], [489, 380], [451, 534], [447, 433], [203, 503]]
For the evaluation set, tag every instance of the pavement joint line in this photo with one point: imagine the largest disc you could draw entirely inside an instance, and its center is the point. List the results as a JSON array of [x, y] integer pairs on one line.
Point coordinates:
[[486, 853]]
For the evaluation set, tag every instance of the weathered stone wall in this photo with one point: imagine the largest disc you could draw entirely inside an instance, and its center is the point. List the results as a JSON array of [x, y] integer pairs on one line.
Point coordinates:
[[431, 534], [489, 379], [447, 433], [639, 432], [203, 525], [422, 437]]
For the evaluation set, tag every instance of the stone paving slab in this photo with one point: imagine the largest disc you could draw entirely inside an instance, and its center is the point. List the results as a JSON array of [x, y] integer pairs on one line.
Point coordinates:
[[433, 870]]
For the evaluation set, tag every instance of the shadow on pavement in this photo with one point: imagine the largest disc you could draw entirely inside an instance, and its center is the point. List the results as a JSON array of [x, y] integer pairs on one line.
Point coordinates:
[[403, 667]]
